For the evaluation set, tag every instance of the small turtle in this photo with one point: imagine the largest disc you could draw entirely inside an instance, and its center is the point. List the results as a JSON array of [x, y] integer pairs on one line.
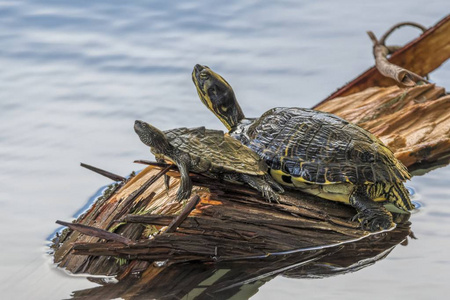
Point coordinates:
[[208, 152], [316, 152]]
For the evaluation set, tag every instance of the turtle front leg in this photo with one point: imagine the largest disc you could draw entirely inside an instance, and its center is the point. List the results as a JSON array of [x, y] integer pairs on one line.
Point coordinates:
[[184, 191], [274, 184], [262, 186], [372, 216]]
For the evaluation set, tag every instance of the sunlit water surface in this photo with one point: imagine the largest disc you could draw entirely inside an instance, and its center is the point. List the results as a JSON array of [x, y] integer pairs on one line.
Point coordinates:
[[74, 76]]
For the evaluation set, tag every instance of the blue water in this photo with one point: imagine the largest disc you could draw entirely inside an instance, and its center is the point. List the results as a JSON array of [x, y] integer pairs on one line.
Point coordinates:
[[74, 75]]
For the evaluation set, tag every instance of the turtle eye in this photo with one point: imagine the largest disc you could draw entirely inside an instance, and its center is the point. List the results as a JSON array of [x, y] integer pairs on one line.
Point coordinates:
[[213, 91], [204, 76]]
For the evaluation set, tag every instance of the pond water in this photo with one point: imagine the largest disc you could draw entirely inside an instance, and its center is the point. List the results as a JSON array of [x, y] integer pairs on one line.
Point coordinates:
[[76, 74]]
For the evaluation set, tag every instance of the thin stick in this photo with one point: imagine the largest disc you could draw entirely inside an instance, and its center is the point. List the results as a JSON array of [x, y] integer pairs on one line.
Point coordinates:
[[97, 232], [107, 174], [183, 215], [397, 26], [154, 163], [381, 51]]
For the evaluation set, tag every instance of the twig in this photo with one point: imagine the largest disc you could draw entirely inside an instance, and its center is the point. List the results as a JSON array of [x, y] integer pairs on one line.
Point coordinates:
[[381, 51], [183, 215], [154, 163], [97, 232], [397, 26], [107, 174]]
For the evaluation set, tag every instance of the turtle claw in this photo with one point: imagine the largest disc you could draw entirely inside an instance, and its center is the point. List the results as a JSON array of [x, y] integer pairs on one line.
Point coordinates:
[[270, 195], [181, 195], [167, 182], [373, 221], [264, 186]]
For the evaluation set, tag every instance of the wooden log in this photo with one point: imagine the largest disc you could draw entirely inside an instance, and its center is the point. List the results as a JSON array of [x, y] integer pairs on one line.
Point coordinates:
[[226, 212], [229, 222]]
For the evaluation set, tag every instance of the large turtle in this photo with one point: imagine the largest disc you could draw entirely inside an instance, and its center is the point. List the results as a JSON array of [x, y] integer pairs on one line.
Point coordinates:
[[316, 152], [209, 152]]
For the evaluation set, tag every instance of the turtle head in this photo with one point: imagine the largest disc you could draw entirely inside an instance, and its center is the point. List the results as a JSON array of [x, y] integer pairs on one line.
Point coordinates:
[[217, 95], [152, 136]]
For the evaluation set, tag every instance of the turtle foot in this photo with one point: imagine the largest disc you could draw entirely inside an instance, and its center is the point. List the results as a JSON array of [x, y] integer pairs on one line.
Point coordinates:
[[270, 195], [181, 195], [371, 220]]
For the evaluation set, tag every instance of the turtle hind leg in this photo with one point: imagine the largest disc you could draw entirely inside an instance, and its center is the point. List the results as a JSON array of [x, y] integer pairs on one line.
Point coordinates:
[[261, 185], [372, 215]]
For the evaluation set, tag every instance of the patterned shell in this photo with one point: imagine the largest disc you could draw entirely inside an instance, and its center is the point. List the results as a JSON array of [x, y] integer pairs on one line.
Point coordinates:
[[221, 152], [318, 147]]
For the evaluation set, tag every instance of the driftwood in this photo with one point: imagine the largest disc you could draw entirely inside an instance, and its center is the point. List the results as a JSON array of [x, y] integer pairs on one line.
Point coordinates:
[[137, 232], [229, 221], [387, 69]]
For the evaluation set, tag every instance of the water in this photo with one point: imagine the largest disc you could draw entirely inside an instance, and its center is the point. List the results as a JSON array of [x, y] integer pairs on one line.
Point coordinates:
[[76, 74]]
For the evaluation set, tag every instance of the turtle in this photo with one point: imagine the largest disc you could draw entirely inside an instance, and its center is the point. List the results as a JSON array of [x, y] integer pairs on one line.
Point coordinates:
[[208, 152], [315, 152]]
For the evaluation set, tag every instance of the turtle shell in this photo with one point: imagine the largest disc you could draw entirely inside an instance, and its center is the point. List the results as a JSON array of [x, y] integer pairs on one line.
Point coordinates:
[[317, 147], [212, 150]]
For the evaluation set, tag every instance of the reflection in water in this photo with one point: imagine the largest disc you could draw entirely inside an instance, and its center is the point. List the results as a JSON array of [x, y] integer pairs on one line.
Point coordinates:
[[242, 279]]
